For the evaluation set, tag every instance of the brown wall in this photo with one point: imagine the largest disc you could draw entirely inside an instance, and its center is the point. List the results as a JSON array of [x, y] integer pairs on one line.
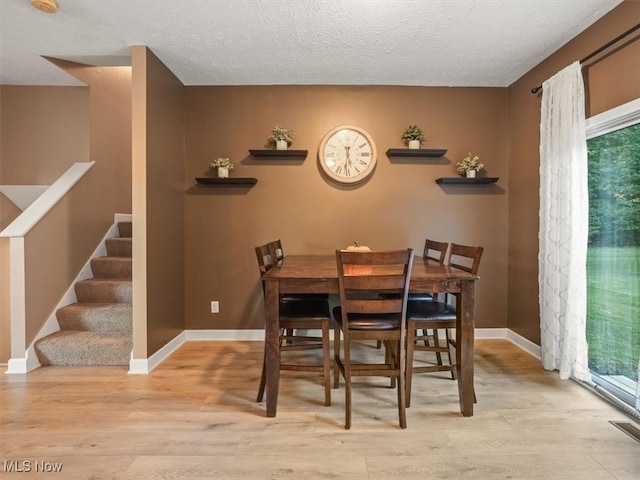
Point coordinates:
[[43, 131], [399, 206], [47, 129], [158, 175], [610, 82]]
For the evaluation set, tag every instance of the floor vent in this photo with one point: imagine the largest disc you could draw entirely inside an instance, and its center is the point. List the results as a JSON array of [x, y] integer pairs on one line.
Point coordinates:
[[628, 428]]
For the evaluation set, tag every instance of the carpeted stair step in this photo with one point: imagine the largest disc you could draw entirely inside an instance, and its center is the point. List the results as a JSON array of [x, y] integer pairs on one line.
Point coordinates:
[[118, 246], [112, 267], [72, 348], [125, 229], [96, 317], [104, 290]]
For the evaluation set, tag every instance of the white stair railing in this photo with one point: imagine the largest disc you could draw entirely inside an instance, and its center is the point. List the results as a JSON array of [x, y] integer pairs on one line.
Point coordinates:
[[21, 361]]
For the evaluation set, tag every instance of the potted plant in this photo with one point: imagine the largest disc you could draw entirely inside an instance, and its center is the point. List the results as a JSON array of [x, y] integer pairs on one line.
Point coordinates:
[[223, 165], [469, 165], [281, 137], [413, 136]]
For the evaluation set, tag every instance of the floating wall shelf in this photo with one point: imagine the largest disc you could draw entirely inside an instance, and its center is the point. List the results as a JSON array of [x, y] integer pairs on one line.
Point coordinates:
[[467, 181], [279, 154], [416, 152], [231, 181]]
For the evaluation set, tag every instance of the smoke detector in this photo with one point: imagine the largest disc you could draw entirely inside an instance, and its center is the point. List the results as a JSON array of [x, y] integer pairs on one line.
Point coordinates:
[[47, 6]]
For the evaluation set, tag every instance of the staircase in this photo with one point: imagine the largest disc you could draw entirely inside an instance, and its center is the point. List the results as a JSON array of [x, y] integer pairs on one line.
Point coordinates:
[[97, 330]]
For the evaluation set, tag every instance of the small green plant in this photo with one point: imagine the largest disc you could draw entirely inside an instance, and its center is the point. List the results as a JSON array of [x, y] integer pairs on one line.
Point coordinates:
[[413, 132], [470, 162], [282, 134], [222, 162]]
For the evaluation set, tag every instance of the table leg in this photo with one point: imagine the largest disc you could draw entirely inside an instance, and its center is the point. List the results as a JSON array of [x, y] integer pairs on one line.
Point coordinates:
[[272, 351], [465, 347]]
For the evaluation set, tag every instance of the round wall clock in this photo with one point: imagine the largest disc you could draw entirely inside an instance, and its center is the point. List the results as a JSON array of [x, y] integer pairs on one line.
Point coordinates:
[[347, 154]]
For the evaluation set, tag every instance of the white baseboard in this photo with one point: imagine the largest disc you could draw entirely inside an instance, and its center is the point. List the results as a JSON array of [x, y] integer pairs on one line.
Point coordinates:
[[524, 343], [144, 366], [141, 366], [23, 365]]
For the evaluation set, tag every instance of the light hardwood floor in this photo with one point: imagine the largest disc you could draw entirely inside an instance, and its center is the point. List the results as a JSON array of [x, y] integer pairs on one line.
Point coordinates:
[[195, 417]]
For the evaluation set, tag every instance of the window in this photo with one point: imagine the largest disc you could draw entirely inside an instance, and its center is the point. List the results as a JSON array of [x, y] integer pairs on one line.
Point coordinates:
[[613, 258]]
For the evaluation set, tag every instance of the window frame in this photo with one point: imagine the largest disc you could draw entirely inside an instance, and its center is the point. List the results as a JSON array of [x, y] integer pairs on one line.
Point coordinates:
[[617, 118]]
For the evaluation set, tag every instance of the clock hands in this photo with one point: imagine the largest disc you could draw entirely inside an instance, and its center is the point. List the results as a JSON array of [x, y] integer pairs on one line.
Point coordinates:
[[347, 161]]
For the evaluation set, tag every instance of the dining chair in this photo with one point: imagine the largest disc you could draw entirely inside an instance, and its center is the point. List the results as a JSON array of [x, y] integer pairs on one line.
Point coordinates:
[[434, 251], [277, 252], [435, 316], [363, 314], [300, 316]]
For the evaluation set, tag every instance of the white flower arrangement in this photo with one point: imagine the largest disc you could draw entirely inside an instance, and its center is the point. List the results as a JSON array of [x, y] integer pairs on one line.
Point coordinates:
[[470, 162], [222, 162]]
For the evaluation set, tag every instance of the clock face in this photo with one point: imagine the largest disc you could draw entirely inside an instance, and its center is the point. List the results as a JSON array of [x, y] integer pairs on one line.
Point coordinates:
[[347, 154]]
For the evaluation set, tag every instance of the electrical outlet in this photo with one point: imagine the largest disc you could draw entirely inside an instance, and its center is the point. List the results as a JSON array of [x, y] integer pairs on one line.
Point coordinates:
[[215, 306]]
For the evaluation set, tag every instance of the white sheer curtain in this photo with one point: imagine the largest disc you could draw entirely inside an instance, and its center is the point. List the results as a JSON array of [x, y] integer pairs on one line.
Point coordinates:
[[564, 202]]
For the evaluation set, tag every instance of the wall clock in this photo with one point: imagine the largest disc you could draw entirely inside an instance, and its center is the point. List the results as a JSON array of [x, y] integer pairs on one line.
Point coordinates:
[[347, 154]]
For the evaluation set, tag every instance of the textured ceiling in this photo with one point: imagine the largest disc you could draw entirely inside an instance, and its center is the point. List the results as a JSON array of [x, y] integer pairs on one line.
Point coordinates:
[[297, 42]]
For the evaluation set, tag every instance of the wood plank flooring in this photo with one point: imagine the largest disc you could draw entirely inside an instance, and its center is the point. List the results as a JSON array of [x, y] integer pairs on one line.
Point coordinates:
[[195, 417]]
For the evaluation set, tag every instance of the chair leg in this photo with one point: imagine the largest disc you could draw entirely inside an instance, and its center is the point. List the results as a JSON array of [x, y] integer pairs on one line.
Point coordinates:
[[436, 342], [454, 371], [326, 363], [289, 332], [263, 378], [347, 385], [336, 355], [400, 364], [388, 358], [411, 338]]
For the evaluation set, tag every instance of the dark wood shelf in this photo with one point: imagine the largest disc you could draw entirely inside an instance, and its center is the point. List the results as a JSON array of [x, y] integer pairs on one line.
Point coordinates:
[[279, 154], [416, 152], [467, 181], [227, 181]]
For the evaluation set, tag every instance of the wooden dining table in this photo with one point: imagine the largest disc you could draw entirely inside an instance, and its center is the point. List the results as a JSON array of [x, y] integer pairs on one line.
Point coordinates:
[[319, 274]]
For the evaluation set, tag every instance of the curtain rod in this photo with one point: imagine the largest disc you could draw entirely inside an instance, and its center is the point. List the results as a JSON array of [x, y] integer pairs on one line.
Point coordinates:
[[599, 50]]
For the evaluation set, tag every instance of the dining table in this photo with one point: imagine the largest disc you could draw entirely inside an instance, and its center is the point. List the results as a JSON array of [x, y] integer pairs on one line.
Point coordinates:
[[319, 274]]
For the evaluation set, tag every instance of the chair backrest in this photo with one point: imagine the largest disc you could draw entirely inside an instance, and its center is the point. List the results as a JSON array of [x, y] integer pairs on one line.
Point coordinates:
[[266, 259], [276, 250], [465, 258], [363, 276], [434, 250]]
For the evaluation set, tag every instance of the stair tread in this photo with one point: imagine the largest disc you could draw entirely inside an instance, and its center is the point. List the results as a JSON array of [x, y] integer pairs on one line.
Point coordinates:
[[85, 313], [112, 258], [125, 229], [69, 334], [119, 246], [71, 347], [104, 290], [97, 305], [104, 280], [112, 267]]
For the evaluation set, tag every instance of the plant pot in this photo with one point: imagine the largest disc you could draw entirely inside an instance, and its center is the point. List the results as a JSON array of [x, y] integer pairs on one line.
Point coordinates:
[[281, 145], [471, 174], [223, 172], [414, 144]]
